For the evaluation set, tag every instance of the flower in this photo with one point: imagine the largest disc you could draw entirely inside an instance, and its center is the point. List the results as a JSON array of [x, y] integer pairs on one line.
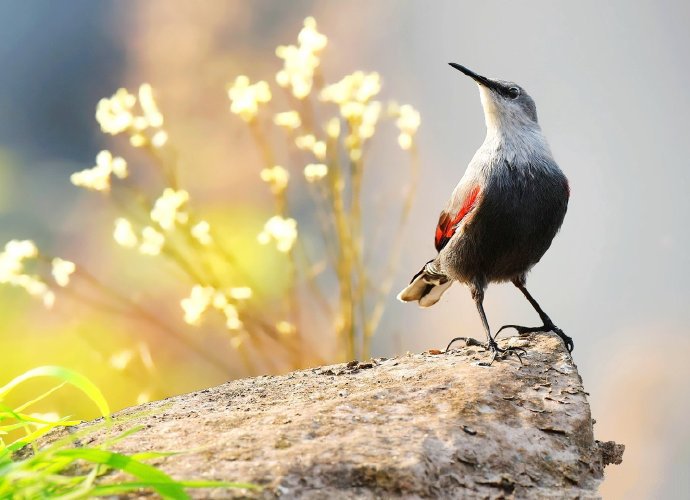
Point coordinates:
[[98, 178], [240, 293], [62, 270], [315, 171], [286, 328], [114, 114], [282, 230], [12, 271], [13, 257], [357, 87], [159, 139], [202, 232], [121, 360], [408, 122], [353, 95], [152, 241], [232, 317], [305, 142], [124, 233], [203, 297], [166, 210], [143, 397], [300, 62], [277, 177], [196, 304], [333, 128], [246, 98], [289, 120], [153, 117]]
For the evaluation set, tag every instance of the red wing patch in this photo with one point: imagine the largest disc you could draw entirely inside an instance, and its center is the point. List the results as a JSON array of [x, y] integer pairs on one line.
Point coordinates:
[[447, 224]]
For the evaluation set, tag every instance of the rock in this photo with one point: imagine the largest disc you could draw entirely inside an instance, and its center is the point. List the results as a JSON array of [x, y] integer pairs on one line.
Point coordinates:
[[416, 426]]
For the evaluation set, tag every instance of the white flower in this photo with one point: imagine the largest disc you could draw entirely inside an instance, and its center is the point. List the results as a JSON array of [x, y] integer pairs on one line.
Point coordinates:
[[301, 61], [240, 293], [277, 177], [201, 232], [124, 233], [62, 270], [333, 128], [246, 98], [167, 209], [357, 87], [115, 114], [315, 171], [121, 360], [153, 117], [143, 397], [196, 304], [305, 142], [282, 230], [152, 241], [98, 178], [220, 300], [12, 270], [13, 257], [408, 122], [159, 139], [289, 120], [286, 328], [232, 317]]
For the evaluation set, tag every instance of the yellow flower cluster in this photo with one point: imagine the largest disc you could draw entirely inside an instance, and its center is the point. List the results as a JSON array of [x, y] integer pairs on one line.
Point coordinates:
[[289, 120], [315, 172], [309, 143], [282, 230], [203, 297], [353, 95], [152, 241], [13, 271], [167, 209], [62, 270], [301, 61], [201, 232], [276, 177], [98, 178], [408, 121], [116, 115], [245, 97]]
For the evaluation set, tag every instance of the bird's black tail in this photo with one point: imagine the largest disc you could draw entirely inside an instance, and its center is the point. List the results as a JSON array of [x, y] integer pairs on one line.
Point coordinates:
[[426, 286]]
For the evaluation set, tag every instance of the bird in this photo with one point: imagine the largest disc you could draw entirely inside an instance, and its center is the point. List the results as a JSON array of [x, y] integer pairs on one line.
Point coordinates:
[[502, 215]]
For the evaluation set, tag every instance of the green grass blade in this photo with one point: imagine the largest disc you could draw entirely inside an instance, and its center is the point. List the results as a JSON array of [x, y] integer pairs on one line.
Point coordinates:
[[149, 475], [77, 380], [39, 398], [121, 488]]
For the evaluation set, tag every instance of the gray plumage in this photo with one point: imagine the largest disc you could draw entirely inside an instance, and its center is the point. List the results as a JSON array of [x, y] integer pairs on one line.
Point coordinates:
[[504, 212]]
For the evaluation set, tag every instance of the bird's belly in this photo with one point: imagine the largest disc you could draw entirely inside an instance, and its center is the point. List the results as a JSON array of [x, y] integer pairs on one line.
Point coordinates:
[[503, 240]]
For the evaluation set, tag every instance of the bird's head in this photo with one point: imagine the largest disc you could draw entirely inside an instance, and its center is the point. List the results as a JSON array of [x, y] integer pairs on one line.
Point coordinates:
[[505, 104]]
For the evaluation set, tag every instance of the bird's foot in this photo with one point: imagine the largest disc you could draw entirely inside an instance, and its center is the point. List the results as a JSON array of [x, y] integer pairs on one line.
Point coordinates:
[[546, 327], [496, 351]]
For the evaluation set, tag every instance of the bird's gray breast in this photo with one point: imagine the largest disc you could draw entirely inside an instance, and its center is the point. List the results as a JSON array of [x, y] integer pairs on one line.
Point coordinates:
[[521, 209]]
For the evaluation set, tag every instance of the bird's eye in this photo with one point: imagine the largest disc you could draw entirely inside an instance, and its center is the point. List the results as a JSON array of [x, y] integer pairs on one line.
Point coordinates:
[[514, 92]]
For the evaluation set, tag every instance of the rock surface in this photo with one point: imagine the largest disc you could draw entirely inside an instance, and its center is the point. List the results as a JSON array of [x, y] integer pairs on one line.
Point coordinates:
[[422, 425]]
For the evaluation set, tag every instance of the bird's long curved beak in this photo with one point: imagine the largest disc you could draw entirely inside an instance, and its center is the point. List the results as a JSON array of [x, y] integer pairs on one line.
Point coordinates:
[[481, 80]]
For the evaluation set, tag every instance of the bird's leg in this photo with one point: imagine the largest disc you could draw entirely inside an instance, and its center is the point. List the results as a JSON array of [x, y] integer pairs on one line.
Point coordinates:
[[491, 344], [548, 325]]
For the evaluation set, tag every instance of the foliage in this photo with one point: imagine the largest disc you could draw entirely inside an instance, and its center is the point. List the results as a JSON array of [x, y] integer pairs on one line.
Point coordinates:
[[61, 470], [333, 125]]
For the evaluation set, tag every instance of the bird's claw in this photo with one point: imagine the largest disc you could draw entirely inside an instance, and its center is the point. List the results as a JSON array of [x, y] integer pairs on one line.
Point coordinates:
[[548, 327], [492, 347]]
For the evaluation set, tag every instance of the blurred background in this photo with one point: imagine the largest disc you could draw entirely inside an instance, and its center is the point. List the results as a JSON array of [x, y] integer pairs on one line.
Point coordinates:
[[611, 84]]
